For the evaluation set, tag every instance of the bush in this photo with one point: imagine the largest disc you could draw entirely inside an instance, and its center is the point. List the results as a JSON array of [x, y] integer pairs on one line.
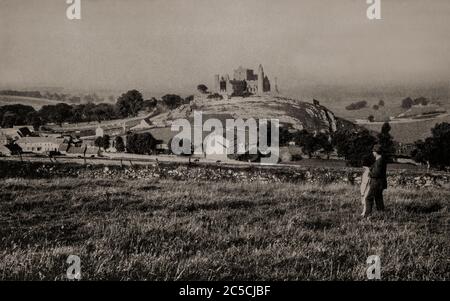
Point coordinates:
[[202, 89], [307, 142], [421, 101], [172, 101], [143, 144], [434, 150], [285, 136], [407, 103], [243, 94], [103, 142], [119, 144], [357, 105], [189, 99], [215, 96], [354, 146], [16, 114]]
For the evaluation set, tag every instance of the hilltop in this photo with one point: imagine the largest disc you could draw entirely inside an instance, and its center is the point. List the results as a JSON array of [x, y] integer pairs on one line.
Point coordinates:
[[293, 113]]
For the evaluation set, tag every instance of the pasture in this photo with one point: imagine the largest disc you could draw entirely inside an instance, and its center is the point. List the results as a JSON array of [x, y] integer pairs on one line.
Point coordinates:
[[178, 230]]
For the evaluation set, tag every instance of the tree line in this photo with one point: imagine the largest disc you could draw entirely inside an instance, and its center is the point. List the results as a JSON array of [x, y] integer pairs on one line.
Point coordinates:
[[136, 143], [128, 104], [64, 97], [355, 146]]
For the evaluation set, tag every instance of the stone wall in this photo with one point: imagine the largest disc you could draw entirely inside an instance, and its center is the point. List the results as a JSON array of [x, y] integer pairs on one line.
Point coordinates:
[[184, 172]]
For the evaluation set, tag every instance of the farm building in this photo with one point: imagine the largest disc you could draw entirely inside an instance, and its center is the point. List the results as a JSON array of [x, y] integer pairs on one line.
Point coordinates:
[[215, 147], [40, 144], [5, 139], [11, 133], [99, 132], [5, 151]]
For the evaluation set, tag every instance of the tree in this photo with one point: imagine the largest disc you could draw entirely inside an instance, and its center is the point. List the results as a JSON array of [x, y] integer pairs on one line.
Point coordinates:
[[423, 151], [172, 101], [35, 120], [103, 111], [386, 142], [129, 103], [141, 143], [202, 89], [375, 107], [323, 142], [106, 142], [354, 146], [77, 113], [58, 113], [356, 105], [381, 103], [407, 103], [371, 118], [307, 141], [9, 119], [17, 114], [285, 136], [149, 104], [103, 142], [435, 150], [98, 141], [120, 145], [189, 98], [421, 101]]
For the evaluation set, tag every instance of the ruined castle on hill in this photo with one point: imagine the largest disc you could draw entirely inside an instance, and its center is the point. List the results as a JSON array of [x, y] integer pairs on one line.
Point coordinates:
[[244, 81]]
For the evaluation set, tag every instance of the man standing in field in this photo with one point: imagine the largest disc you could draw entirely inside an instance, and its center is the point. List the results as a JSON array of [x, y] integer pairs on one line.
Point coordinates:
[[377, 182]]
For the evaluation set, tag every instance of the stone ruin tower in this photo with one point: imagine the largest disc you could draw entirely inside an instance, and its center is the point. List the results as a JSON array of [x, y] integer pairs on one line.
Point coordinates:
[[244, 81], [260, 79]]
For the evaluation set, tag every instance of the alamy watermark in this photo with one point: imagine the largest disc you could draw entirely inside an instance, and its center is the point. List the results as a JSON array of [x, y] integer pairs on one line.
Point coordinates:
[[73, 272], [235, 137], [73, 12], [374, 9], [374, 270]]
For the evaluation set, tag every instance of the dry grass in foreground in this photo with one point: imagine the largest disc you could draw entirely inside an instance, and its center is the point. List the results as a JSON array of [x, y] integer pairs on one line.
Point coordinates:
[[171, 230]]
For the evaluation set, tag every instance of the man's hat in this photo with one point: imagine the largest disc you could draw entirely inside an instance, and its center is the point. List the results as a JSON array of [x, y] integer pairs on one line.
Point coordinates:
[[377, 148]]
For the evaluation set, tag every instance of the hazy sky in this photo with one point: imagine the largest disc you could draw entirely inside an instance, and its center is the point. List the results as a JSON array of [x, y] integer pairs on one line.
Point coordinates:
[[172, 45]]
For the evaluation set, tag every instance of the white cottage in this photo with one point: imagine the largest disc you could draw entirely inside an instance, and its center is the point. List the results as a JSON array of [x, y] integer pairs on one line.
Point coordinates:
[[215, 147]]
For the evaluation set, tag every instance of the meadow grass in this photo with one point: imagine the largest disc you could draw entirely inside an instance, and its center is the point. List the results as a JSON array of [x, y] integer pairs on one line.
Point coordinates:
[[176, 230]]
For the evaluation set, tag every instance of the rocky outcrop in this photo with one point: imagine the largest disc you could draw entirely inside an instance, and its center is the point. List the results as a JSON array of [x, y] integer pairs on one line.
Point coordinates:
[[299, 115]]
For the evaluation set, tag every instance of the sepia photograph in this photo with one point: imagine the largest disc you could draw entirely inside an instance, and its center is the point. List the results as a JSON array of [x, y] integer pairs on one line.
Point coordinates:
[[236, 141]]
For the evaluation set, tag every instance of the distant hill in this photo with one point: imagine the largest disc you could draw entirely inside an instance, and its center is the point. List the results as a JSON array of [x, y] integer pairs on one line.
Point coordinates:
[[36, 103], [423, 111], [291, 112]]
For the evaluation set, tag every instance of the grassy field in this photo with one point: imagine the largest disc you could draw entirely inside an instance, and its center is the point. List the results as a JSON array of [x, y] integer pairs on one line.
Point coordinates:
[[173, 230]]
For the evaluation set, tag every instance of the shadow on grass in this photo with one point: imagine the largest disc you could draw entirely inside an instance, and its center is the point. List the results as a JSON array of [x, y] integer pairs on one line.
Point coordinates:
[[423, 208], [317, 224]]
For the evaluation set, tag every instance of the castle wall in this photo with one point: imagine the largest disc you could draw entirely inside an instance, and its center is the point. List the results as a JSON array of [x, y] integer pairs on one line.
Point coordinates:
[[244, 80]]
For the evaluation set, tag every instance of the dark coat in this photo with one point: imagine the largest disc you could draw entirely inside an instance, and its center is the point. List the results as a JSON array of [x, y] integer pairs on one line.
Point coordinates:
[[378, 173]]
